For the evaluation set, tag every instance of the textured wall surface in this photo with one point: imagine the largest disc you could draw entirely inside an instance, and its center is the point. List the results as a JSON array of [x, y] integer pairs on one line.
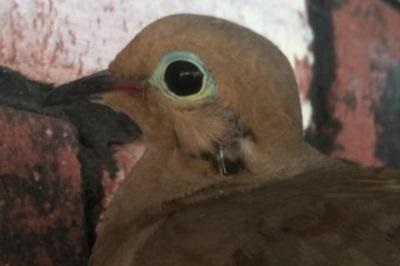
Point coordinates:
[[354, 91], [40, 192], [59, 166]]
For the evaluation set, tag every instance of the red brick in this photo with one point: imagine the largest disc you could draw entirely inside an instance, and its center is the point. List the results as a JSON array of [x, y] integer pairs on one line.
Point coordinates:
[[367, 44], [41, 212]]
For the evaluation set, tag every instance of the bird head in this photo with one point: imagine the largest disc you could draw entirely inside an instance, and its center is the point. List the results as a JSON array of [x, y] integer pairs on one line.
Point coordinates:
[[208, 87]]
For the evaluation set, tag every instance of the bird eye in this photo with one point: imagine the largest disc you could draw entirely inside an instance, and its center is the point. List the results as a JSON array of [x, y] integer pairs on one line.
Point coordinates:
[[182, 76]]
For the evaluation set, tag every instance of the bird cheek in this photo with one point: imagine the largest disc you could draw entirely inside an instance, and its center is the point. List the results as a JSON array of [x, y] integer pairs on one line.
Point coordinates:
[[122, 101], [142, 112]]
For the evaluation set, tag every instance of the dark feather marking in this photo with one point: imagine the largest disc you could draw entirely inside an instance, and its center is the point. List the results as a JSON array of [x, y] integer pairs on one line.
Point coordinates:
[[241, 259], [232, 166], [394, 234], [248, 133]]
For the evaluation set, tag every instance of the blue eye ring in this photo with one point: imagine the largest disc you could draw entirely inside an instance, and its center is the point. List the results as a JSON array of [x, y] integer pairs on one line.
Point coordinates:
[[207, 83]]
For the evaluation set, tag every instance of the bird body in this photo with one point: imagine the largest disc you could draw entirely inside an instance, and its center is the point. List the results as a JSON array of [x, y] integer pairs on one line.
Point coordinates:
[[313, 221], [227, 179], [334, 215]]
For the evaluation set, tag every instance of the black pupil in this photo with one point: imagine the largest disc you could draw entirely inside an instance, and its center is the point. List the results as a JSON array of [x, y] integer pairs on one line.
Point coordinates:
[[183, 78]]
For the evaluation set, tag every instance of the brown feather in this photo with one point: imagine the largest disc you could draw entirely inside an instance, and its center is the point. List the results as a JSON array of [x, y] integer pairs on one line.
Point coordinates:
[[289, 205]]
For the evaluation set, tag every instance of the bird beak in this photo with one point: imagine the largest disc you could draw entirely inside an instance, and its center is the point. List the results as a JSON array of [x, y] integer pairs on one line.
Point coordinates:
[[91, 87]]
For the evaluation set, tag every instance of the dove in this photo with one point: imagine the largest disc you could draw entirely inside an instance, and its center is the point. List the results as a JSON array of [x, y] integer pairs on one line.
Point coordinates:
[[226, 178]]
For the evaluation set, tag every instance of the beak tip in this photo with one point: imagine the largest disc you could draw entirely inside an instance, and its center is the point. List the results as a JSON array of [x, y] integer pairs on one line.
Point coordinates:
[[80, 89], [88, 88]]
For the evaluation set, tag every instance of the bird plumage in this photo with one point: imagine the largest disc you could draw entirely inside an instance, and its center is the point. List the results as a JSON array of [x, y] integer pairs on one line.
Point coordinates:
[[327, 216], [226, 178]]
